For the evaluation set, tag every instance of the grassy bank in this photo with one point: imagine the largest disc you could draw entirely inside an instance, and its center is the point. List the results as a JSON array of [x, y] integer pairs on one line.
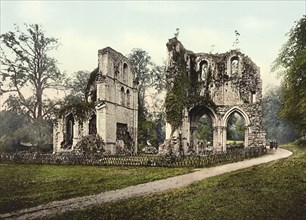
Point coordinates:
[[270, 191], [23, 186]]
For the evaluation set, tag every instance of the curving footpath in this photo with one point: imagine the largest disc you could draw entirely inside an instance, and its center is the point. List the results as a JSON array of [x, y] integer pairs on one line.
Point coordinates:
[[78, 203]]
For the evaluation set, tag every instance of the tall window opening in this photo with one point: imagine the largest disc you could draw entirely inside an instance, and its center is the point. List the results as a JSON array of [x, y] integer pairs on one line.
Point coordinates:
[[122, 96], [69, 130], [203, 70], [93, 124], [128, 98], [253, 97], [203, 134], [234, 66], [125, 72], [235, 132]]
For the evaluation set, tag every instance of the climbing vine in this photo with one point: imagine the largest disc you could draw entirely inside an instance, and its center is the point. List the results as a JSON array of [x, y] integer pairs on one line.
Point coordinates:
[[80, 110], [182, 92], [176, 101]]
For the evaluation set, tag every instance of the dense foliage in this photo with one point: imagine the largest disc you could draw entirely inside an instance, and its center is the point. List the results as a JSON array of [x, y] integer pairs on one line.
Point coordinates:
[[150, 79], [276, 128], [75, 87], [182, 92], [292, 61], [177, 100]]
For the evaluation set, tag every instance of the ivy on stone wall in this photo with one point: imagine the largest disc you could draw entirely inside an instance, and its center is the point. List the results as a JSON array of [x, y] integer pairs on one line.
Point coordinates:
[[176, 101], [80, 110], [182, 92]]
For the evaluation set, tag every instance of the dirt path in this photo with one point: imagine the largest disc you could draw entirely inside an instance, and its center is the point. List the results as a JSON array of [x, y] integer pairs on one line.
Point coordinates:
[[138, 190]]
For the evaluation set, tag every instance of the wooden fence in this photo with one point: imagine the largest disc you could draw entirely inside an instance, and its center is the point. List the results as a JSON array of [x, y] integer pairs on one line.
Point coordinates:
[[121, 160]]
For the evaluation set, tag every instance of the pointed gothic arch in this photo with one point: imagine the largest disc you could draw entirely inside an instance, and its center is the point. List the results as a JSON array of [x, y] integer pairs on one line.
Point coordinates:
[[247, 124], [195, 115]]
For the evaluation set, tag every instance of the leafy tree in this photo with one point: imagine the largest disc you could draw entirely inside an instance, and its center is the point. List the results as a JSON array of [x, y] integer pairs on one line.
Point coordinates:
[[151, 81], [27, 66], [27, 73], [276, 128], [291, 61], [75, 87]]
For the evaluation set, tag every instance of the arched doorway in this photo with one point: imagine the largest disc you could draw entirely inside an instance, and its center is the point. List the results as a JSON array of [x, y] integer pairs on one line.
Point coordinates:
[[92, 127], [235, 131], [236, 123], [202, 122], [69, 134]]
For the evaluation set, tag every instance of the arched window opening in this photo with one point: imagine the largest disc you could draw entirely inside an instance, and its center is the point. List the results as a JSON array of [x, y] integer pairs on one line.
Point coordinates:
[[235, 131], [125, 72], [234, 66], [203, 70], [116, 70], [122, 96], [253, 97], [128, 98], [93, 124], [203, 134], [69, 131]]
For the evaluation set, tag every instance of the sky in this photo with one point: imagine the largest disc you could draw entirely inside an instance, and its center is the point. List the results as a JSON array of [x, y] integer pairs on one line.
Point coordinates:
[[84, 27]]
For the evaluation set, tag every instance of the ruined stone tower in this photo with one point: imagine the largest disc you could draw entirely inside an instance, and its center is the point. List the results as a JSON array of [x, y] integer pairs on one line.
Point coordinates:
[[220, 85], [113, 91]]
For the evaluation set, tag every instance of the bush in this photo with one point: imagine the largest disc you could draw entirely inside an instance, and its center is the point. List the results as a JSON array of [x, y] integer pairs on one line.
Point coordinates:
[[90, 144]]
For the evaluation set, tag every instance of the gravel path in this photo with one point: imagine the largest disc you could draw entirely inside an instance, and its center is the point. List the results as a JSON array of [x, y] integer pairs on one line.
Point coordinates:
[[138, 190]]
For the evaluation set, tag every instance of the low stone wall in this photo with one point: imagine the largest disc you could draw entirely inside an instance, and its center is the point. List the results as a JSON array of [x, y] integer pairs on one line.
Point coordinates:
[[155, 161]]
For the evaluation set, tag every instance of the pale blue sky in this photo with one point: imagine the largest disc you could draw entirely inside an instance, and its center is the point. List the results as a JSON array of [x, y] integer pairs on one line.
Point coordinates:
[[83, 27]]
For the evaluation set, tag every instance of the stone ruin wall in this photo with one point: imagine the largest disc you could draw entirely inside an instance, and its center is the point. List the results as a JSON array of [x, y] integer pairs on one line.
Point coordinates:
[[113, 91], [231, 81]]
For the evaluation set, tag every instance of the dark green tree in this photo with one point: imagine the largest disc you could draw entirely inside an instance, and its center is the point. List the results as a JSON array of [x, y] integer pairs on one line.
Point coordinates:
[[150, 78], [276, 128], [291, 62]]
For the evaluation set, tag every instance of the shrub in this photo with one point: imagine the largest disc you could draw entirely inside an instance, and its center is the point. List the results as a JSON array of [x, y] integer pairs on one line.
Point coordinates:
[[90, 144]]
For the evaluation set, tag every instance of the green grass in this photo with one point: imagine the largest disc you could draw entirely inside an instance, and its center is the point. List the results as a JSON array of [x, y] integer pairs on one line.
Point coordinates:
[[232, 142], [23, 186], [275, 190]]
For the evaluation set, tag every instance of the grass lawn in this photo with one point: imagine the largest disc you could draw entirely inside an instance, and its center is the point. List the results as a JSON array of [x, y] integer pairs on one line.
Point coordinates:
[[232, 142], [276, 190], [23, 186]]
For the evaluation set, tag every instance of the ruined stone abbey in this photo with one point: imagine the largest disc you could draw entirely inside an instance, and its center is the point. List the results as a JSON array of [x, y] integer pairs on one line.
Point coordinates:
[[230, 82], [224, 84]]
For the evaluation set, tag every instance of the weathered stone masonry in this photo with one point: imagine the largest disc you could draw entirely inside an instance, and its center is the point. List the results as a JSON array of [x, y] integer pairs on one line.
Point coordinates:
[[231, 81], [113, 91]]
